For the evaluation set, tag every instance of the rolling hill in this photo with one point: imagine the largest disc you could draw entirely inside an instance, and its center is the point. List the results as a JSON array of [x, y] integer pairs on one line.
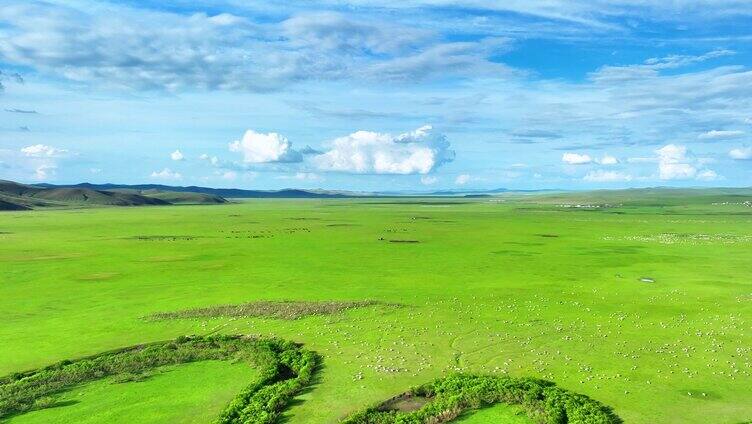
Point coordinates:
[[96, 197], [178, 197], [9, 206], [17, 196]]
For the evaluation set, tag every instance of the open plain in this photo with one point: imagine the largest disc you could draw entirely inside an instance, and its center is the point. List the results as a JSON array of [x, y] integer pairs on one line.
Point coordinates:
[[640, 303]]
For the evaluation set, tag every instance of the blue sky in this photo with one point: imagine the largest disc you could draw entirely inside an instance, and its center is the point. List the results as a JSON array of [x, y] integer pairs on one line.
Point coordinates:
[[378, 95]]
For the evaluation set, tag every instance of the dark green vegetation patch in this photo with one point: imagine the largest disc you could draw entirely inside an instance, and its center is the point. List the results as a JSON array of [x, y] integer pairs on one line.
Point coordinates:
[[289, 310], [285, 368], [445, 399]]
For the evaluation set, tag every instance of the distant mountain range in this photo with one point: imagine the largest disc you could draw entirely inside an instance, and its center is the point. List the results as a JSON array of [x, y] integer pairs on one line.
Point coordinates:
[[17, 196], [223, 192], [289, 193], [460, 192]]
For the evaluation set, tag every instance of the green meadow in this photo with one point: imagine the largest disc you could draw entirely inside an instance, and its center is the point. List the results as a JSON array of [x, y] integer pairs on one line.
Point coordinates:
[[642, 304], [190, 393]]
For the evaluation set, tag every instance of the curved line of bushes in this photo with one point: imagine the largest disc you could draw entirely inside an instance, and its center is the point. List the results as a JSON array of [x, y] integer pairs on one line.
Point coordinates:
[[285, 369], [451, 396]]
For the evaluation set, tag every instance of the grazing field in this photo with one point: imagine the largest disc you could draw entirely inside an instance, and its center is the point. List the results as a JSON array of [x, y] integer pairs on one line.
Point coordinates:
[[194, 393], [642, 305], [496, 414]]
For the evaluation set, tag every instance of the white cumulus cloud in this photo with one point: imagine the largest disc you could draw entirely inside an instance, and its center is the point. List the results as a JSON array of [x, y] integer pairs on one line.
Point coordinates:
[[166, 174], [576, 159], [264, 148], [177, 155], [676, 171], [673, 163], [363, 152]]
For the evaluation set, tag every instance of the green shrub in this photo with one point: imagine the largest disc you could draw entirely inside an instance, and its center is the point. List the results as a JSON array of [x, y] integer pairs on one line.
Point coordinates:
[[44, 402], [451, 396], [284, 367]]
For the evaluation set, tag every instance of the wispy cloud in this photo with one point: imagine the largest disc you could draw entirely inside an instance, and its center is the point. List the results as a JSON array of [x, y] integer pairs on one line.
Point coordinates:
[[720, 134], [42, 150], [353, 113], [536, 133], [428, 179], [45, 172], [462, 179], [651, 67], [155, 50], [25, 111], [13, 77], [609, 15], [601, 176], [741, 153]]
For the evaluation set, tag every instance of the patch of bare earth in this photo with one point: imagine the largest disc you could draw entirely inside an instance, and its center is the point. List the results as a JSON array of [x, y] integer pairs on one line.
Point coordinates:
[[289, 310], [405, 402]]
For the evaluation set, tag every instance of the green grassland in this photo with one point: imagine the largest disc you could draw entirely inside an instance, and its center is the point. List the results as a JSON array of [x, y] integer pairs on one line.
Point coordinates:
[[524, 286], [496, 414], [193, 393]]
